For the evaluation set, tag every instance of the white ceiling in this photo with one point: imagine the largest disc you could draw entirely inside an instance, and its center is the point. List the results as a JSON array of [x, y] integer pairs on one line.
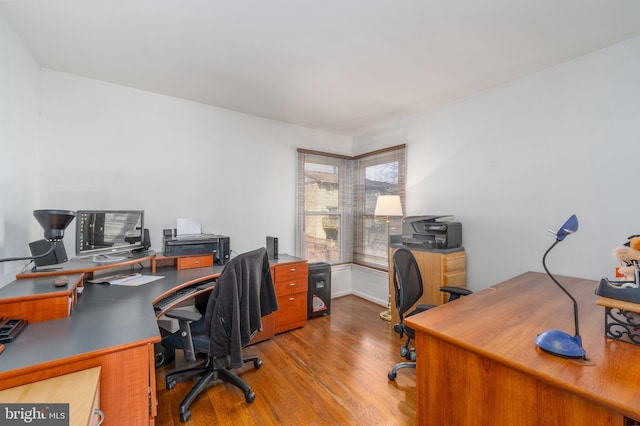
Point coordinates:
[[336, 65]]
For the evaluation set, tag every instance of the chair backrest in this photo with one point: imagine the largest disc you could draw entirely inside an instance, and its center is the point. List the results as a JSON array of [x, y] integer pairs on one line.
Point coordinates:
[[407, 280], [242, 295]]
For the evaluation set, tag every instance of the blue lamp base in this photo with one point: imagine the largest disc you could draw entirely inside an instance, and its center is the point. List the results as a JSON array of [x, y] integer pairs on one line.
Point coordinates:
[[559, 343]]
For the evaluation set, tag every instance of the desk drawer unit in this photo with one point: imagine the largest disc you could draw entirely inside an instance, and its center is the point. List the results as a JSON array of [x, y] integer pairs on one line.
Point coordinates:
[[290, 283], [454, 270], [194, 261]]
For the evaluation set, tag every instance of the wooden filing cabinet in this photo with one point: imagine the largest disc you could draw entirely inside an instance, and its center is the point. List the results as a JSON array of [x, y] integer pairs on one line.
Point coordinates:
[[290, 281], [437, 270], [81, 390]]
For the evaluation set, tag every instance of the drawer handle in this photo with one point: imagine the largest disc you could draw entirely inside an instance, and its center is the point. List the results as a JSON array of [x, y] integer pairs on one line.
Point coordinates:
[[292, 285], [291, 299], [292, 270], [100, 414], [196, 261]]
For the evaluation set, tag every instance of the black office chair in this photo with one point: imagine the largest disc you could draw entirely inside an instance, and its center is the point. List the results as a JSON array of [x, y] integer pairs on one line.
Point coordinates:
[[243, 294], [408, 288]]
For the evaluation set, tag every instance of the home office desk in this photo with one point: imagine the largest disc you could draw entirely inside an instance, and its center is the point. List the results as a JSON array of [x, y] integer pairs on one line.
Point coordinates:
[[87, 266], [477, 362], [113, 327]]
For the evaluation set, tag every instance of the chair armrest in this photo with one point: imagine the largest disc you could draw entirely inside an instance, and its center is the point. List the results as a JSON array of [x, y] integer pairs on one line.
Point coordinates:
[[422, 308], [455, 292], [183, 314], [185, 318]]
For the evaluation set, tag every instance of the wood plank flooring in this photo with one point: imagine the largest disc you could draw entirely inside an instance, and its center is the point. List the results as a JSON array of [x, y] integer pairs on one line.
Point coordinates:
[[332, 371]]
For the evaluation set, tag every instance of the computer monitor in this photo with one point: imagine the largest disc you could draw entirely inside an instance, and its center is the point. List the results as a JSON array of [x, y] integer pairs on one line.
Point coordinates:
[[107, 232]]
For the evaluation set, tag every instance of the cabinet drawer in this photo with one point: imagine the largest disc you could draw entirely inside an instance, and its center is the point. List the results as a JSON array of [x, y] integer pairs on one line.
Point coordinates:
[[291, 286], [458, 279], [290, 271], [194, 261], [292, 312], [457, 262]]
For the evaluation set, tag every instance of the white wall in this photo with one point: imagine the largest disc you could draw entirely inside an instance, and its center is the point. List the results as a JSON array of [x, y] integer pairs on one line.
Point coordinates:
[[111, 147], [509, 163], [514, 161], [19, 76], [370, 284]]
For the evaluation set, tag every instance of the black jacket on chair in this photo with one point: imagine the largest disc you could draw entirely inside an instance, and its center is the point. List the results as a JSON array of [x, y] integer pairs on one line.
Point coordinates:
[[243, 294]]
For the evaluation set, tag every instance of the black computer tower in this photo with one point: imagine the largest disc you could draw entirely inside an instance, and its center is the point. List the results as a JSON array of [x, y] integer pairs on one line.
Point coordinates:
[[272, 247], [319, 291], [223, 253]]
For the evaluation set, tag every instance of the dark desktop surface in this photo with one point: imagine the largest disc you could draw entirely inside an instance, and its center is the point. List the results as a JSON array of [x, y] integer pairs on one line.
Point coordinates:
[[38, 287], [105, 316]]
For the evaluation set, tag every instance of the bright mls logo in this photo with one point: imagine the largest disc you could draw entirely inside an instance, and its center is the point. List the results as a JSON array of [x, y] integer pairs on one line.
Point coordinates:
[[34, 414]]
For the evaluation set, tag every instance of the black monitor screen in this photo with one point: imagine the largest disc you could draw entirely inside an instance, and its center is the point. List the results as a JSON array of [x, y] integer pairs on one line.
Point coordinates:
[[108, 231]]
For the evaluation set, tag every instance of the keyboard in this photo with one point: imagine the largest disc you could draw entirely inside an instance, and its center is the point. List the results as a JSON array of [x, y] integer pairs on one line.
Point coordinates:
[[182, 294], [10, 328]]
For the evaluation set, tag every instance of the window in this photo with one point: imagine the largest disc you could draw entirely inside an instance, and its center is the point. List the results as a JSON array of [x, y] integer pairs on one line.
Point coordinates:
[[324, 208], [380, 173], [336, 200]]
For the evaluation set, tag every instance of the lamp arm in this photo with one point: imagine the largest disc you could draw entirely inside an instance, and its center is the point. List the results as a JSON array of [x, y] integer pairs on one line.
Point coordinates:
[[575, 304], [11, 259]]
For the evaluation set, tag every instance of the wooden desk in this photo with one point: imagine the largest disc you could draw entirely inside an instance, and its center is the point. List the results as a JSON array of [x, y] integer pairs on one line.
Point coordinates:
[[477, 362], [38, 299], [88, 267], [113, 327]]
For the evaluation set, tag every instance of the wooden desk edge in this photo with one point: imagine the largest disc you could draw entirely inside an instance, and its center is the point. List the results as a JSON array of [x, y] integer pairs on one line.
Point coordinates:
[[619, 304], [183, 285], [632, 412], [88, 270], [55, 291], [6, 376]]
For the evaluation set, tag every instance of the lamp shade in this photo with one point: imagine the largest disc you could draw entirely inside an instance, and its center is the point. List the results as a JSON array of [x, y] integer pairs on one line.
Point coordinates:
[[569, 227], [388, 205], [54, 222]]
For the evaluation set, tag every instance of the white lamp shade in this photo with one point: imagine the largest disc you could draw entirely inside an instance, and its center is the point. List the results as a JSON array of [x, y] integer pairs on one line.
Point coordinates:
[[388, 205]]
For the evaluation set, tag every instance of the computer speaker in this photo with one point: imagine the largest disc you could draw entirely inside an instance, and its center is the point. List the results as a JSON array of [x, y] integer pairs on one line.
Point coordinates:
[[59, 255], [272, 247], [146, 239]]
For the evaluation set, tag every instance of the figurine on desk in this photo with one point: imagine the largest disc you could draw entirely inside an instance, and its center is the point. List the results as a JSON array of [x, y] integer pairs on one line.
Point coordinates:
[[626, 289]]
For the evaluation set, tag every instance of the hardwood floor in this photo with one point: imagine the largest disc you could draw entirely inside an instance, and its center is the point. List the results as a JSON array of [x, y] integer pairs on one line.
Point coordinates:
[[332, 371]]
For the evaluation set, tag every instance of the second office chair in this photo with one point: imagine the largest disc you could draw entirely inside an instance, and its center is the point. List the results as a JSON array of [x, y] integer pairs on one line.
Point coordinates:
[[408, 288]]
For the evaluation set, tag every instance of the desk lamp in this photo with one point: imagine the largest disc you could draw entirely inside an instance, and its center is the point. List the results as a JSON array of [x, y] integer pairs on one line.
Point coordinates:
[[557, 342], [388, 206], [54, 222]]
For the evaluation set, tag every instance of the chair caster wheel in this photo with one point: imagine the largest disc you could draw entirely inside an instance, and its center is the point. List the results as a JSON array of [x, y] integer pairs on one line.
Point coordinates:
[[404, 352], [391, 375], [250, 396], [159, 360], [171, 384], [257, 363], [184, 417]]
